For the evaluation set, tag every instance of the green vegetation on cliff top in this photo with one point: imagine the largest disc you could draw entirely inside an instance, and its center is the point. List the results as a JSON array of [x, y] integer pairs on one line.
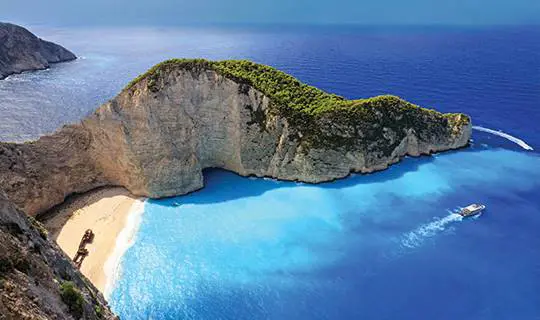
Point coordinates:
[[291, 97], [282, 88]]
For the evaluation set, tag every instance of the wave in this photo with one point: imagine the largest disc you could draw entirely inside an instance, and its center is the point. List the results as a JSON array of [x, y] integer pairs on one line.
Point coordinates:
[[518, 141], [416, 237], [124, 241]]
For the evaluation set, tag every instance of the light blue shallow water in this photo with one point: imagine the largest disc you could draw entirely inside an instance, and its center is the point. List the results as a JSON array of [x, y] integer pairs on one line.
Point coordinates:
[[382, 246]]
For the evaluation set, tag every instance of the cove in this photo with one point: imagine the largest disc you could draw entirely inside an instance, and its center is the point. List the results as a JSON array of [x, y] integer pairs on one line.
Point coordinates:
[[383, 246]]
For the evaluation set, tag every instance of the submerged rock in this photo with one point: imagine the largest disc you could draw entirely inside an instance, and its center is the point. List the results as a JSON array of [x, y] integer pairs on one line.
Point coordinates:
[[183, 116], [20, 50]]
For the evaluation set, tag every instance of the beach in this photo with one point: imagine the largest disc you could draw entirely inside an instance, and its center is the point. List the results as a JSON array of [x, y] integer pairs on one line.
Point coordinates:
[[105, 211]]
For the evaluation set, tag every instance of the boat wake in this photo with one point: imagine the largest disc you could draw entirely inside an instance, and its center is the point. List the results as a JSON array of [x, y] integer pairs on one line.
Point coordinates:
[[416, 237], [515, 140]]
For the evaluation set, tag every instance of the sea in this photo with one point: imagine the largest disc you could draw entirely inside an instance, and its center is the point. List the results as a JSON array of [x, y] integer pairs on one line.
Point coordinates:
[[387, 245]]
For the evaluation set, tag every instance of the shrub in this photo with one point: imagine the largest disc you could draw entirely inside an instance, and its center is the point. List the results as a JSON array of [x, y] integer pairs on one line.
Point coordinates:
[[39, 226], [72, 297], [99, 311]]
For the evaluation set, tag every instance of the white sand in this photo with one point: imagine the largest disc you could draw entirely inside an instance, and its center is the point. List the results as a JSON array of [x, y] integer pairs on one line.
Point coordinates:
[[105, 211]]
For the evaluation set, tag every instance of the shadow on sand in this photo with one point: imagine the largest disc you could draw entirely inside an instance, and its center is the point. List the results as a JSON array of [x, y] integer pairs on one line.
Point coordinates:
[[55, 218]]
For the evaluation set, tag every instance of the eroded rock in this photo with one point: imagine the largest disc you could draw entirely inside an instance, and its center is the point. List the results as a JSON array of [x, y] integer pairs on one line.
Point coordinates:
[[158, 134]]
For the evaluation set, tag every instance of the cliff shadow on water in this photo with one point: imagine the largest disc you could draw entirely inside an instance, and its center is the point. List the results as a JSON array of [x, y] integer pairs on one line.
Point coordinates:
[[221, 185]]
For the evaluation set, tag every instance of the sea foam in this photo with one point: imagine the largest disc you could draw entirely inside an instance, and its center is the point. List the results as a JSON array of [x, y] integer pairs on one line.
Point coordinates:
[[416, 237], [501, 134], [124, 241]]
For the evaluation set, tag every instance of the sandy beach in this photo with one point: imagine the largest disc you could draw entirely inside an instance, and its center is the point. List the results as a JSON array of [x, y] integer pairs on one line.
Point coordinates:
[[105, 211]]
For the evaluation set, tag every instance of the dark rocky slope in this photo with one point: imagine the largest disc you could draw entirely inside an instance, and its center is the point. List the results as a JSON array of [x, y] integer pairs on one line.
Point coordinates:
[[20, 50], [37, 281]]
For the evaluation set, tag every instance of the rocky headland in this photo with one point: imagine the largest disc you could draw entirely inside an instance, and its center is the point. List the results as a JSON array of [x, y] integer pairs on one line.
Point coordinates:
[[20, 50], [182, 116]]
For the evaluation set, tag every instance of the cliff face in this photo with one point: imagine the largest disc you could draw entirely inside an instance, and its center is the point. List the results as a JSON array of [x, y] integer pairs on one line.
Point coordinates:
[[20, 50], [38, 175], [157, 136], [33, 271]]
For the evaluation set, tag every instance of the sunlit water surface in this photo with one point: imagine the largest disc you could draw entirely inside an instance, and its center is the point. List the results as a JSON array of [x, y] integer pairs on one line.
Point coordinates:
[[383, 246]]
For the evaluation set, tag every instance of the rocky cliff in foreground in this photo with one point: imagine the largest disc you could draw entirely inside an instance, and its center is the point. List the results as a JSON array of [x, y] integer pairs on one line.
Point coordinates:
[[37, 281], [183, 116], [20, 50]]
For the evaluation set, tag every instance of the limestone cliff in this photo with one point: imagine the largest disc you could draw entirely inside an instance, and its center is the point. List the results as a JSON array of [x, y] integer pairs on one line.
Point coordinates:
[[159, 133], [20, 50], [37, 281]]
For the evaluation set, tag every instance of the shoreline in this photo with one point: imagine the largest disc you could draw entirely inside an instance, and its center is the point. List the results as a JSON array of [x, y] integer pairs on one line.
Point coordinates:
[[124, 240], [113, 214]]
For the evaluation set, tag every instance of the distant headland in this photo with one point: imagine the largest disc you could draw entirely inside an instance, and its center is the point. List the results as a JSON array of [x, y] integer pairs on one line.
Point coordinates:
[[20, 51]]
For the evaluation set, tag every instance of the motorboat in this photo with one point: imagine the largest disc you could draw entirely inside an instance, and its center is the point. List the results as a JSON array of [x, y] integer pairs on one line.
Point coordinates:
[[472, 210]]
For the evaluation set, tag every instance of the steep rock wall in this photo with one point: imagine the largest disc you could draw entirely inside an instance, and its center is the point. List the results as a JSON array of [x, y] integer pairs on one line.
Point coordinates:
[[157, 136]]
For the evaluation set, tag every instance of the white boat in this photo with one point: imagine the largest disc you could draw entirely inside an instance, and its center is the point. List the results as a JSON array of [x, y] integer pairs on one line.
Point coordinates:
[[472, 210]]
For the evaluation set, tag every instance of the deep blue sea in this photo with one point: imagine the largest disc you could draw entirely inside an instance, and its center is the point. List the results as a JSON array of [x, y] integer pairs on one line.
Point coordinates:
[[381, 246]]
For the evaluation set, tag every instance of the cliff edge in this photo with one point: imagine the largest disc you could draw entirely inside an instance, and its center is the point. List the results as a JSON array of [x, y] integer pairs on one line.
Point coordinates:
[[20, 50], [37, 281], [183, 116]]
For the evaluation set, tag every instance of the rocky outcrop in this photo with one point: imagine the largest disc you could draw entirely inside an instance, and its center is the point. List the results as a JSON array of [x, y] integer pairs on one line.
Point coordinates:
[[37, 281], [20, 50], [157, 136]]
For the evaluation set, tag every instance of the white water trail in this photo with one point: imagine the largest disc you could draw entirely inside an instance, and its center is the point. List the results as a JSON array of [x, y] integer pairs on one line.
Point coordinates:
[[416, 237], [518, 141], [125, 239]]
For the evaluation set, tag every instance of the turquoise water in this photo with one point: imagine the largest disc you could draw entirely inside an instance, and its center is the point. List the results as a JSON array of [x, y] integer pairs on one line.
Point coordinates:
[[381, 246]]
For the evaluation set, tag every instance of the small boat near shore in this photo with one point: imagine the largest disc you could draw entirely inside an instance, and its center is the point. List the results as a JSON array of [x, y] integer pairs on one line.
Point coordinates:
[[472, 210]]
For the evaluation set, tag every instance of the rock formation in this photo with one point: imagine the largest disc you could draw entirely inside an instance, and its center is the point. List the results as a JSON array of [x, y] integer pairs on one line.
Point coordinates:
[[37, 281], [20, 50], [183, 116]]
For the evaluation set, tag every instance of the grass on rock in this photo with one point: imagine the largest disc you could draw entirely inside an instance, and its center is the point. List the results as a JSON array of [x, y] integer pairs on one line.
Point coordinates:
[[306, 107]]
